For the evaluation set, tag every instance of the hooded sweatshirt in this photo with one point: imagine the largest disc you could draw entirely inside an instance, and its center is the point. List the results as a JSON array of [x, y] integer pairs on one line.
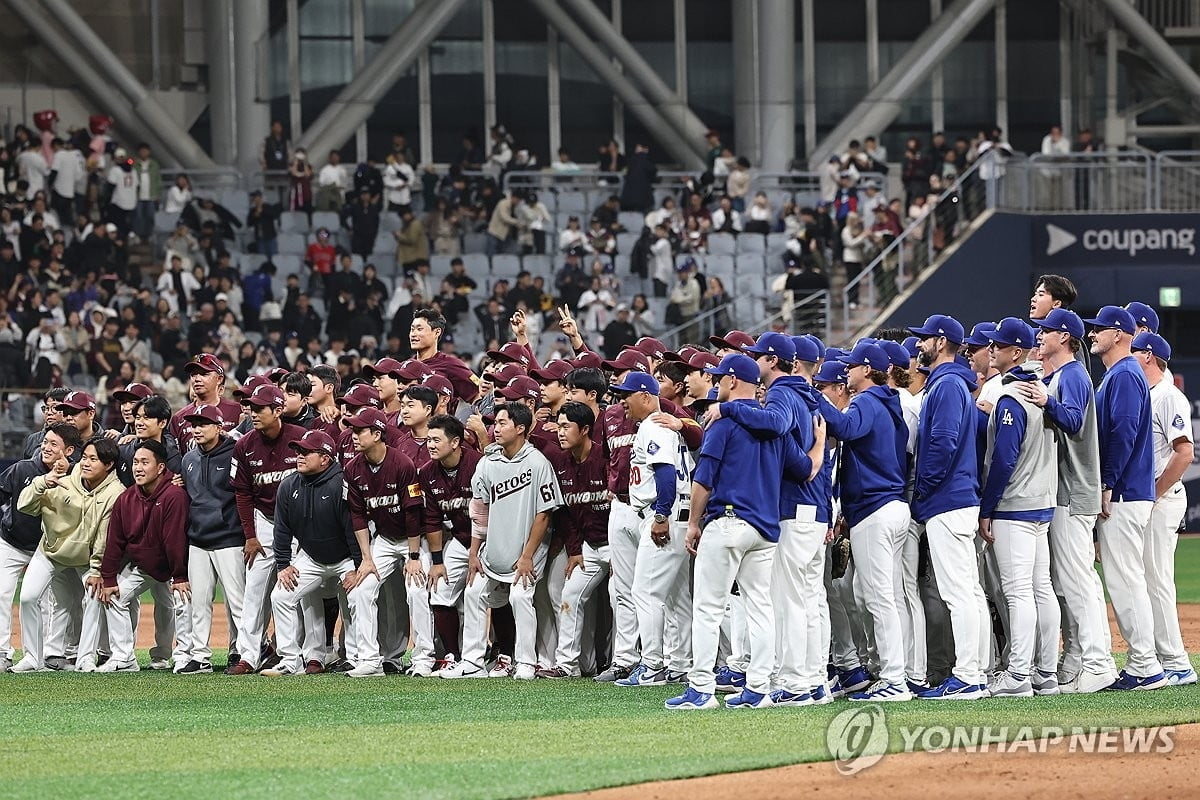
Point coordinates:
[[20, 530], [213, 521], [312, 509], [75, 519], [790, 403], [947, 440], [148, 531], [1020, 478], [874, 450], [516, 490]]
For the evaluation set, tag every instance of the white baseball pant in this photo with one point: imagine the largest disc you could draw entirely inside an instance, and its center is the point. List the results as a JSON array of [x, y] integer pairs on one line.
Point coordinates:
[[131, 582], [738, 632], [486, 592], [1122, 546], [1162, 536], [547, 602], [205, 569], [731, 549], [877, 543], [952, 551], [287, 605], [1022, 553], [843, 618], [576, 622], [624, 534], [43, 577], [1087, 641], [390, 557], [798, 598], [13, 562], [164, 621], [993, 589], [912, 613], [456, 558], [659, 580], [256, 601]]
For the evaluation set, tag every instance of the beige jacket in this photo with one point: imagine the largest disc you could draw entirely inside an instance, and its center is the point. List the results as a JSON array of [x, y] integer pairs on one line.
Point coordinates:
[[74, 520]]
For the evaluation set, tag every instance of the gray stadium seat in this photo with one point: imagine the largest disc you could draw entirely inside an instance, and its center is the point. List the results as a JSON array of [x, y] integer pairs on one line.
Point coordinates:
[[439, 266], [164, 221], [776, 244], [292, 243], [563, 217], [537, 265], [248, 263], [293, 222], [476, 265], [474, 242], [749, 264], [723, 244], [384, 243], [506, 266], [719, 264], [626, 241], [385, 263], [573, 202], [750, 243], [287, 263], [632, 221], [326, 219], [390, 221]]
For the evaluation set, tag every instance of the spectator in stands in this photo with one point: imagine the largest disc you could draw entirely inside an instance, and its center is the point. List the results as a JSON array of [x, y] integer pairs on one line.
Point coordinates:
[[595, 307], [537, 221], [411, 243], [362, 218], [66, 171], [608, 214], [845, 202], [685, 300], [346, 280], [600, 240], [444, 227], [179, 195], [737, 185], [501, 153], [637, 192], [611, 159], [726, 219], [368, 178], [758, 218], [716, 299], [877, 153], [915, 169], [715, 148], [572, 236], [668, 214], [696, 209], [333, 181], [571, 280], [372, 284], [205, 212], [319, 257], [122, 192], [662, 266], [77, 343], [493, 320], [398, 179], [149, 191], [300, 177], [874, 199], [263, 222], [275, 148], [619, 333], [563, 164], [1055, 147], [257, 290], [505, 223], [937, 148], [854, 240], [470, 156]]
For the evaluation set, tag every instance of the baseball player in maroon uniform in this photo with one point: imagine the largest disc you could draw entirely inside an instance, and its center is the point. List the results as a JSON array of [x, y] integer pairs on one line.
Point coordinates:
[[385, 499], [384, 375], [424, 336], [261, 460], [582, 523], [446, 487], [360, 397], [207, 375], [418, 405], [323, 399]]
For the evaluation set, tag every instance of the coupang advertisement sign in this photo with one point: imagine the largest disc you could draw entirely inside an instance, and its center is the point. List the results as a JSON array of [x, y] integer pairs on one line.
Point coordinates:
[[1110, 240]]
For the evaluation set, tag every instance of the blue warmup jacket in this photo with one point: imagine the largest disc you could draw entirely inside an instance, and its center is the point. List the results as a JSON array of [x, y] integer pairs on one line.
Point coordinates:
[[874, 440], [1124, 422], [788, 409], [947, 442]]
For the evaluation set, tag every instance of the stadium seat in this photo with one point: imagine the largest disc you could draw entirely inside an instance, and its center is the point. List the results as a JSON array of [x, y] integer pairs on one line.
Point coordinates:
[[286, 264], [621, 264], [384, 243], [390, 221], [776, 245], [293, 222], [719, 264], [574, 202], [476, 265], [632, 221], [723, 244], [235, 201], [248, 263], [326, 219], [749, 264], [626, 241], [506, 266], [537, 265], [439, 266], [563, 217], [749, 243], [385, 263], [474, 242], [292, 243], [164, 221]]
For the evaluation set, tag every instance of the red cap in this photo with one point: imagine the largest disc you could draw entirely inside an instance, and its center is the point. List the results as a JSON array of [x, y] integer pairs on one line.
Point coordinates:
[[553, 371], [734, 340], [205, 415], [80, 401], [315, 441], [629, 359], [702, 360], [649, 346], [439, 385], [520, 387], [369, 418], [587, 359], [205, 362], [266, 395], [413, 370], [362, 395], [132, 393], [384, 366], [512, 353]]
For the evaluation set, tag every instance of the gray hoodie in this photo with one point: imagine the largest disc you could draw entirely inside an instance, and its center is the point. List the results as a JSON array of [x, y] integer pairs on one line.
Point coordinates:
[[516, 490]]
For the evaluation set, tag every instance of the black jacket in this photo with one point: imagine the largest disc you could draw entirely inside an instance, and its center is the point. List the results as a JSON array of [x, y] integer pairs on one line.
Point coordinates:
[[213, 521], [312, 510], [20, 530], [125, 462]]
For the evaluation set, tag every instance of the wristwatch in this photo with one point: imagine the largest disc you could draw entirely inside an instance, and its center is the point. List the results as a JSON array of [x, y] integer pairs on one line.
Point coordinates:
[[659, 519]]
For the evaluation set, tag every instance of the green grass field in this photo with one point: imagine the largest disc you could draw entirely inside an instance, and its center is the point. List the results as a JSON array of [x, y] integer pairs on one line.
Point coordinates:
[[154, 735]]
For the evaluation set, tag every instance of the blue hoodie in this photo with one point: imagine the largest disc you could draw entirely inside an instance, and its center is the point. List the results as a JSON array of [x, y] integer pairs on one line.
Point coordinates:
[[789, 406], [1123, 420], [874, 440], [947, 442]]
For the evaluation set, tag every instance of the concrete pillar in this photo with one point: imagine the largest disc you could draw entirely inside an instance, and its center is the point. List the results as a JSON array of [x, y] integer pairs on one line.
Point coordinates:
[[745, 80], [253, 113], [218, 41], [777, 82]]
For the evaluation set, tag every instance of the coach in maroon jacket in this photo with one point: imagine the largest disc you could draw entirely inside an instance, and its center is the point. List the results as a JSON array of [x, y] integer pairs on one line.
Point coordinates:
[[147, 542]]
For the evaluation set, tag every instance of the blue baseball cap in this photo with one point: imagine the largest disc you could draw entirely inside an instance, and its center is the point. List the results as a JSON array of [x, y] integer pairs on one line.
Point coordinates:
[[834, 353], [808, 348], [978, 336], [1061, 319], [739, 366], [896, 354], [1154, 344], [773, 344], [1143, 315], [910, 344], [639, 382], [831, 372], [1013, 332], [815, 340], [1114, 317], [940, 325], [706, 401], [869, 354]]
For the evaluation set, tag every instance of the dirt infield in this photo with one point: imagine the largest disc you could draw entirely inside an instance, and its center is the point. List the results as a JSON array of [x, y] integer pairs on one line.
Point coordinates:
[[952, 776]]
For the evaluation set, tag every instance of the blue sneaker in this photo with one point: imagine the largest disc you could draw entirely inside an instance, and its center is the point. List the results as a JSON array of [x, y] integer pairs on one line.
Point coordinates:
[[692, 700], [854, 679], [954, 689], [820, 695], [782, 697], [643, 676], [1181, 677], [748, 698], [883, 692], [730, 680], [917, 688], [1132, 683]]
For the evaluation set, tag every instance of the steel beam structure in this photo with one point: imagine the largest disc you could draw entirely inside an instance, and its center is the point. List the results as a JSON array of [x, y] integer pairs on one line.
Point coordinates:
[[777, 83], [1156, 46]]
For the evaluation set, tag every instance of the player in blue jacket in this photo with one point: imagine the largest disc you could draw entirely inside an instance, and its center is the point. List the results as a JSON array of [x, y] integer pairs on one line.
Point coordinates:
[[946, 499], [1123, 421]]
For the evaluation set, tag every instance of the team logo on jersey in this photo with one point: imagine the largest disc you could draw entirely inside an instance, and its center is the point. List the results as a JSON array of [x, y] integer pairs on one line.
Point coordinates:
[[652, 448], [1177, 423], [1006, 418], [512, 485], [414, 490]]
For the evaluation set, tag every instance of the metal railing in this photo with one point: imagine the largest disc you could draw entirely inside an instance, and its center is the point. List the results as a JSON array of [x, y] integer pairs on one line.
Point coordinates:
[[1168, 14], [707, 323], [809, 314], [1177, 183]]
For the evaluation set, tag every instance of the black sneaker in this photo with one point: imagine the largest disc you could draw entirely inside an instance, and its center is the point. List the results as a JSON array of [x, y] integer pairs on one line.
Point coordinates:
[[270, 661], [393, 668], [615, 672], [195, 667]]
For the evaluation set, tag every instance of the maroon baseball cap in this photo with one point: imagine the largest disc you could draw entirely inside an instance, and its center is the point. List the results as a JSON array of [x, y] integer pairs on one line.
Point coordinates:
[[205, 362], [553, 371], [734, 340], [315, 441], [132, 393], [252, 383], [523, 386], [369, 417], [384, 366], [684, 355], [629, 359], [414, 370], [277, 374], [362, 395], [702, 360], [78, 401], [205, 415], [439, 385], [512, 353], [506, 373], [266, 395], [587, 359], [649, 346]]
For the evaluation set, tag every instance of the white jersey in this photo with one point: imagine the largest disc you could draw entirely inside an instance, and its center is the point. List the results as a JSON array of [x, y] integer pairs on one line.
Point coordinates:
[[653, 445], [125, 188], [910, 406], [1171, 416], [992, 388]]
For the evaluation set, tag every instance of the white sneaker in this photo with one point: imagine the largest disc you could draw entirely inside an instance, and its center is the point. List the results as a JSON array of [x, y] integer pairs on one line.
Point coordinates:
[[278, 671], [1005, 684], [421, 670], [367, 669], [503, 668], [444, 664], [27, 664], [160, 664], [117, 666], [463, 669], [1044, 683], [85, 665], [525, 672], [1088, 683]]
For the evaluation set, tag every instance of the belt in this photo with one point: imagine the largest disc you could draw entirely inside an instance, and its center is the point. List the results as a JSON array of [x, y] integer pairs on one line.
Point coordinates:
[[623, 497], [682, 516]]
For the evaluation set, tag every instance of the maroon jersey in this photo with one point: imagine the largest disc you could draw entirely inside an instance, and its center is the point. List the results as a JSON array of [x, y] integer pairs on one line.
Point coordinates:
[[414, 448], [334, 429], [387, 494], [584, 517], [258, 467], [393, 418], [181, 429], [345, 443], [466, 385], [448, 496]]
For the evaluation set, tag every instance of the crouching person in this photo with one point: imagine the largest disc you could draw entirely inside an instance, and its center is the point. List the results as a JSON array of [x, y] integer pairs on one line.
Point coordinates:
[[310, 507]]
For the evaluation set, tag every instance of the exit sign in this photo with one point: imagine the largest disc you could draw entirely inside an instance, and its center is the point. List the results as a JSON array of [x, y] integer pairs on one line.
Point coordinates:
[[1169, 297]]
